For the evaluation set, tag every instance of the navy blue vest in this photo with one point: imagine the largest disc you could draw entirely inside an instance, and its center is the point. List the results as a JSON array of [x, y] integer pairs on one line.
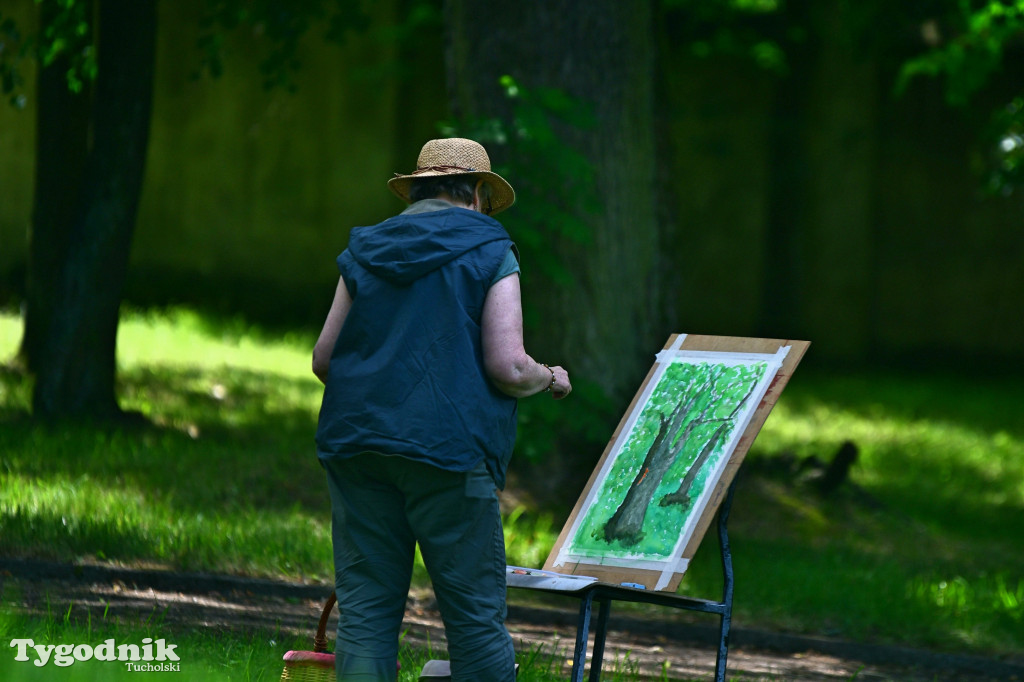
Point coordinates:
[[407, 374]]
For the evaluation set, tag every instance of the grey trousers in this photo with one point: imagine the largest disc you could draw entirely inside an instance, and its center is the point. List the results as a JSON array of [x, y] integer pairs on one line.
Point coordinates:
[[381, 507]]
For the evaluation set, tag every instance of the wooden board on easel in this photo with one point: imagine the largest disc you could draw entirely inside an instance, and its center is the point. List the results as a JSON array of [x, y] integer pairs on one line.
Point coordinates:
[[653, 494]]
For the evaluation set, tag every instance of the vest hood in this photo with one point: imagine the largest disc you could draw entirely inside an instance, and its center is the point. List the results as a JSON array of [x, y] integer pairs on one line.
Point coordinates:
[[404, 248]]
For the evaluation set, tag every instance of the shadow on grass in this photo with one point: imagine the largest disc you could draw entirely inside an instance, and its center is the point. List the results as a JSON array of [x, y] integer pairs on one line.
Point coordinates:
[[984, 404], [940, 449], [212, 440]]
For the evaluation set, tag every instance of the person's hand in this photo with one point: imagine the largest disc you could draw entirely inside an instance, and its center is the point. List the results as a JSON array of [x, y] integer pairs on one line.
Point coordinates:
[[561, 386]]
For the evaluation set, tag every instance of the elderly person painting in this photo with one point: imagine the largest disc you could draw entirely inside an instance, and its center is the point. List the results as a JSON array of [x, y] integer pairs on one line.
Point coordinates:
[[422, 357]]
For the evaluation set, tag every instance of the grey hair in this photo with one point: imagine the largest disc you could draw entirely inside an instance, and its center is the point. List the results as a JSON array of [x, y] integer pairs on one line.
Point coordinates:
[[459, 187]]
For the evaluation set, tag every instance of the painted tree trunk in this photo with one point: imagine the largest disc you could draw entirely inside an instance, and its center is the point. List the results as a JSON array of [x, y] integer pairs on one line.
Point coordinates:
[[681, 496], [74, 360], [627, 522]]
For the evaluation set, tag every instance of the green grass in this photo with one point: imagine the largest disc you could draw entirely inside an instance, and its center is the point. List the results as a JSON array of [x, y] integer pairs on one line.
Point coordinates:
[[923, 550], [204, 656], [226, 480]]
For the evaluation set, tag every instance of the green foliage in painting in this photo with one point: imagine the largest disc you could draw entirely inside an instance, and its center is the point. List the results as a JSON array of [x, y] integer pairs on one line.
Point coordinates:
[[682, 433]]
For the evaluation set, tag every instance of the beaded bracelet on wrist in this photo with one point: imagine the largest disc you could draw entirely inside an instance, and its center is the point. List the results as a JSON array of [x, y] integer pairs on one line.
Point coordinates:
[[552, 384]]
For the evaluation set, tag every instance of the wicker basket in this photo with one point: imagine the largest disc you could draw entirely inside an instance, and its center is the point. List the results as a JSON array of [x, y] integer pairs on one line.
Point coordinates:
[[316, 665]]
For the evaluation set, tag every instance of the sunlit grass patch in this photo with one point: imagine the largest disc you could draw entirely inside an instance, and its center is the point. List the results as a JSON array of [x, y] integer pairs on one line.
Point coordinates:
[[183, 338], [63, 517], [950, 461], [528, 538], [975, 605]]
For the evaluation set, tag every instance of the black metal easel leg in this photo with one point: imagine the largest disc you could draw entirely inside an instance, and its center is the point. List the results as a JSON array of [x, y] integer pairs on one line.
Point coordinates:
[[599, 637], [579, 658], [727, 586]]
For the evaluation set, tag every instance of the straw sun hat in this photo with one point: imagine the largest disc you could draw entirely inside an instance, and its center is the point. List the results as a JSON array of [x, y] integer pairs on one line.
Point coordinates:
[[456, 156]]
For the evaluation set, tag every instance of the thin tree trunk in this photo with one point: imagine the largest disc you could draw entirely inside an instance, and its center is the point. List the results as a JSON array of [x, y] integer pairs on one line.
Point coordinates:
[[75, 364], [681, 496]]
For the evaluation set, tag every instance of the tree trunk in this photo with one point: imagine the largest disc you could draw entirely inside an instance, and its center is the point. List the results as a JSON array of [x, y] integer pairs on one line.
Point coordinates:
[[75, 360], [62, 143], [605, 325]]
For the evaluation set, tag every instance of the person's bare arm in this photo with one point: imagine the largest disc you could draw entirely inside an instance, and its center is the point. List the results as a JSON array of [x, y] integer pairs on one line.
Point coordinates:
[[508, 365], [329, 334]]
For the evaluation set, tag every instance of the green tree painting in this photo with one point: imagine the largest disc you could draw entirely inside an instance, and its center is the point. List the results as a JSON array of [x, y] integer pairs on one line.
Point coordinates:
[[683, 432]]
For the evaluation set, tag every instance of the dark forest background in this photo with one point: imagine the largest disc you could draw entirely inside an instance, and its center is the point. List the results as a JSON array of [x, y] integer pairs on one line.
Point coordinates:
[[838, 171]]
